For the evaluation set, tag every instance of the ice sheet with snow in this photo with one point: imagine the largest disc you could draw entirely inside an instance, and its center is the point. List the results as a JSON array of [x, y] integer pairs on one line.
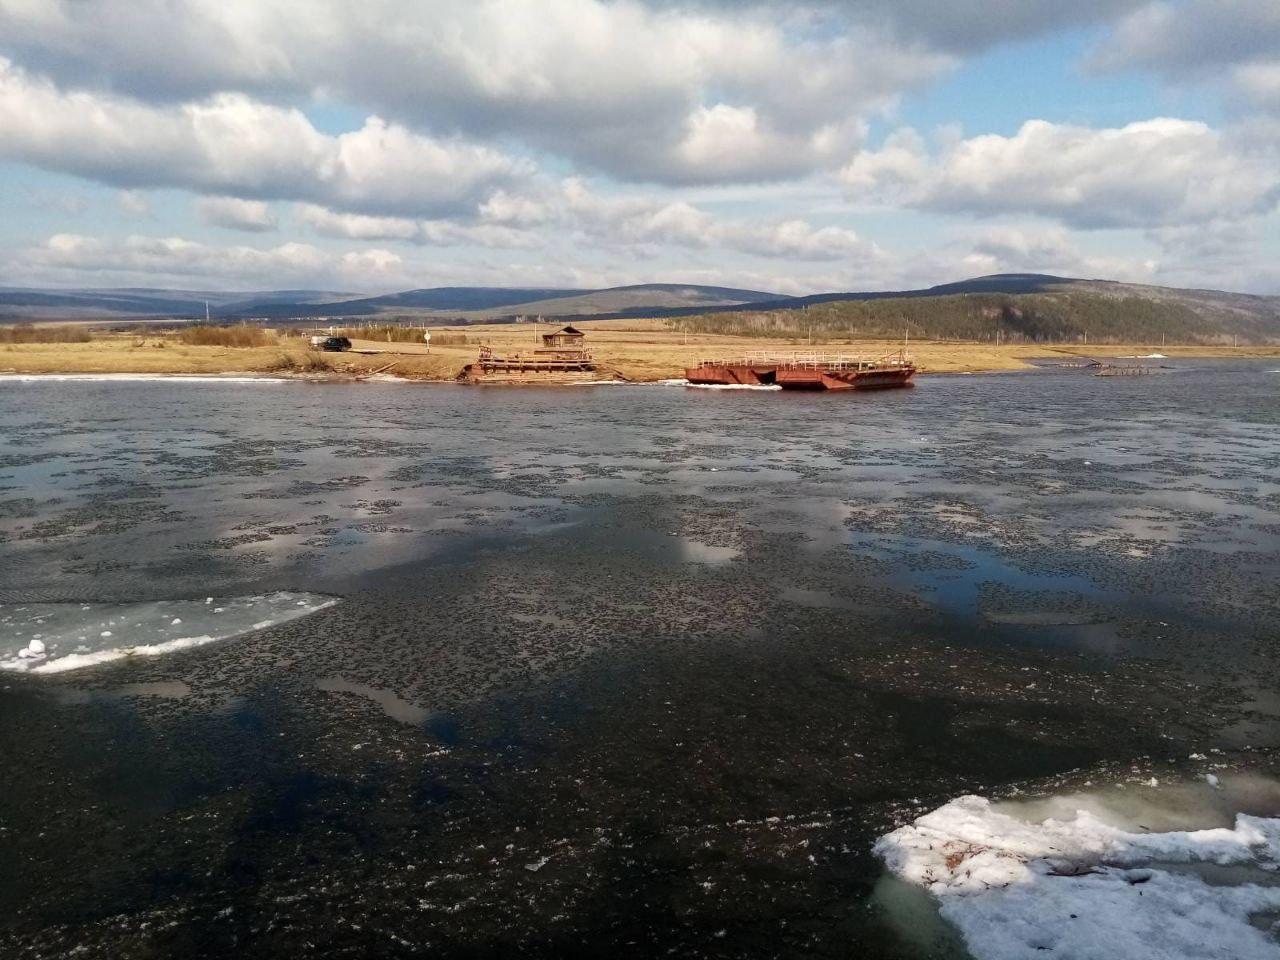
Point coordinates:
[[1083, 887], [54, 637]]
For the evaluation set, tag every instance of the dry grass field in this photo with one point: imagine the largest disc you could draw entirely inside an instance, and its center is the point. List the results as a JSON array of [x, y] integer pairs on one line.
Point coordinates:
[[635, 349]]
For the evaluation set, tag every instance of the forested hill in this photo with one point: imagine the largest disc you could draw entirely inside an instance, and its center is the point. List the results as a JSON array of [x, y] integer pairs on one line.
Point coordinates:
[[1017, 308]]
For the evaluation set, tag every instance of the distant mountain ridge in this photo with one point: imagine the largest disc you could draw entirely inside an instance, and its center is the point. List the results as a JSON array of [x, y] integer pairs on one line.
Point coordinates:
[[35, 303], [441, 303], [1034, 306]]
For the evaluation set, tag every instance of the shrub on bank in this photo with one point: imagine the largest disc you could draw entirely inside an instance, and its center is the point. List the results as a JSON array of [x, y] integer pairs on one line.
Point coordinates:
[[390, 333], [309, 362], [207, 335], [30, 333]]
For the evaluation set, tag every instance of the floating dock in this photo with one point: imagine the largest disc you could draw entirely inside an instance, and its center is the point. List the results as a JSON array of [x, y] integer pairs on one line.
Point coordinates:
[[806, 371]]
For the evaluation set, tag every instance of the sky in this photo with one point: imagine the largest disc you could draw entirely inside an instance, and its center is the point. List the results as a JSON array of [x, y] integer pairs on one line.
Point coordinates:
[[796, 147]]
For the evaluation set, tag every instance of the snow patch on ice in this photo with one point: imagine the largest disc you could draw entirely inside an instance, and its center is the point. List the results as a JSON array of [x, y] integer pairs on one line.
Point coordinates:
[[1084, 887], [71, 636]]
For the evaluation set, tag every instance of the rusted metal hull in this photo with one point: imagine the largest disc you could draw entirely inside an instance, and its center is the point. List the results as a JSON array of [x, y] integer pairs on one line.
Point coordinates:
[[804, 376], [845, 379], [731, 375]]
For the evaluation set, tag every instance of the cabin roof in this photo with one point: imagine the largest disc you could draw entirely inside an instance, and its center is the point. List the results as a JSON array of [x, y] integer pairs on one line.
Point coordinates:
[[567, 332]]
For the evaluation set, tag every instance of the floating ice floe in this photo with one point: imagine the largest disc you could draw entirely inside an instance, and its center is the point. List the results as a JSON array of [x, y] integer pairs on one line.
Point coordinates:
[[55, 637], [720, 386], [1084, 888], [387, 378], [133, 378]]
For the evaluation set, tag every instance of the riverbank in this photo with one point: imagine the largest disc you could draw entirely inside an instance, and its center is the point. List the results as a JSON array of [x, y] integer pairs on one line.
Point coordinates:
[[639, 350]]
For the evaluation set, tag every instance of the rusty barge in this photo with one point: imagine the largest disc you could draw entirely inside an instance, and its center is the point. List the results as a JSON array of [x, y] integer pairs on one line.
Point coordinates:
[[806, 371], [563, 358]]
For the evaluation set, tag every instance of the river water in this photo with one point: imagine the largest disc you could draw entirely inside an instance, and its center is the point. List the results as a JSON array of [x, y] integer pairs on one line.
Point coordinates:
[[643, 670]]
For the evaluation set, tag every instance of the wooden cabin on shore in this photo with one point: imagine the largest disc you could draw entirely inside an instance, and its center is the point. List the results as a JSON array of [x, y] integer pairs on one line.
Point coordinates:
[[566, 339]]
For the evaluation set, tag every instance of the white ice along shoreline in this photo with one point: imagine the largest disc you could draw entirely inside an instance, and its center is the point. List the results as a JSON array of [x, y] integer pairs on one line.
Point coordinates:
[[56, 637], [677, 382], [133, 378], [680, 382], [1091, 883]]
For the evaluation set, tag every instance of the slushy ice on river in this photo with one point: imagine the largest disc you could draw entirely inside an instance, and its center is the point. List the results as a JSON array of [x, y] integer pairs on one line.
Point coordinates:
[[984, 668]]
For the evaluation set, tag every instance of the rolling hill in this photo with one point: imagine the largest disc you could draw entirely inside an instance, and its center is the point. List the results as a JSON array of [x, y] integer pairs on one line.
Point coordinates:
[[33, 303], [466, 304], [1018, 307]]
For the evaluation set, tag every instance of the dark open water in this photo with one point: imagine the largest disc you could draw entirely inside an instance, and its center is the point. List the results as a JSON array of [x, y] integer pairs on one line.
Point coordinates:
[[637, 671]]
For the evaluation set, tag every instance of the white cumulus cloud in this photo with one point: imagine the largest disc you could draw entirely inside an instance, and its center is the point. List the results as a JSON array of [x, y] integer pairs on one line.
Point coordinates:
[[1145, 174], [253, 216], [638, 91], [441, 233], [1234, 44], [230, 144], [640, 223], [641, 220], [179, 261], [1177, 36], [1050, 250]]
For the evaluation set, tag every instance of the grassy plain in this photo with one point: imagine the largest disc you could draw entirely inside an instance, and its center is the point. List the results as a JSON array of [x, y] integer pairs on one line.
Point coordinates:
[[635, 349]]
